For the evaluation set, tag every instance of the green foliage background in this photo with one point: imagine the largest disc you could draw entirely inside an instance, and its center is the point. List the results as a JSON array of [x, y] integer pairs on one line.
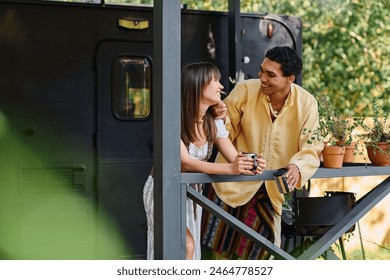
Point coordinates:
[[346, 46]]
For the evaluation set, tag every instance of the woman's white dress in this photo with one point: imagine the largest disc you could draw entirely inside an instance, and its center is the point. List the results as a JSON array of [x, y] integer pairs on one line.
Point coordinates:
[[193, 220]]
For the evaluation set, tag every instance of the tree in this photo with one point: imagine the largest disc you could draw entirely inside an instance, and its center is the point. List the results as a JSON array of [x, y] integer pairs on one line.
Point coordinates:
[[345, 47]]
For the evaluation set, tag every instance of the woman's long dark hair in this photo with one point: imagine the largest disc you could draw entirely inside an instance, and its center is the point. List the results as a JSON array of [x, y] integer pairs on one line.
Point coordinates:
[[194, 78]]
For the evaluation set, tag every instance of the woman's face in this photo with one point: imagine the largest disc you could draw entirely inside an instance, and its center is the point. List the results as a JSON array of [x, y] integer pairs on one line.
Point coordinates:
[[212, 92], [271, 77]]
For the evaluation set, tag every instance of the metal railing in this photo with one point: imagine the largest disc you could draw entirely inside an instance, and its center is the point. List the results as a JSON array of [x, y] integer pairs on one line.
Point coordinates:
[[364, 205]]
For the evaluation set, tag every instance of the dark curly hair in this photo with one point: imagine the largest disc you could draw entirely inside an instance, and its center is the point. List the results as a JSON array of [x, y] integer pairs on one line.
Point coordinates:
[[288, 58]]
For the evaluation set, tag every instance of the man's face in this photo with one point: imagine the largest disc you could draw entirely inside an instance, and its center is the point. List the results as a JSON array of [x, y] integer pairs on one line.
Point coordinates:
[[271, 77]]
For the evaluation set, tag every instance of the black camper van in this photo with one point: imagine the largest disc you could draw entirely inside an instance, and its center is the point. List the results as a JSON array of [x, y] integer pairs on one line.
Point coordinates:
[[76, 124]]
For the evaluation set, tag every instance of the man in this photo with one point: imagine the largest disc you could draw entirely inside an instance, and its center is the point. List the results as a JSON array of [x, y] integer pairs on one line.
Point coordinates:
[[266, 116]]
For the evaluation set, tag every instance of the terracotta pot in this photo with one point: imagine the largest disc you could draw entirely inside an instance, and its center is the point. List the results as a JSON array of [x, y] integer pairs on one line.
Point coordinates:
[[321, 155], [333, 156], [349, 154], [378, 157]]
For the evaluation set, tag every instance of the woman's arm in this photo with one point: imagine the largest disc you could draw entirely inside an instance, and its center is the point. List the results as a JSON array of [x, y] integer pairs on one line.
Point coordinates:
[[226, 148], [240, 164]]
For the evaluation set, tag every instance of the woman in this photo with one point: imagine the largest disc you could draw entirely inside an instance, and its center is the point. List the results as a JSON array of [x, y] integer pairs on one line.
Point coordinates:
[[200, 130]]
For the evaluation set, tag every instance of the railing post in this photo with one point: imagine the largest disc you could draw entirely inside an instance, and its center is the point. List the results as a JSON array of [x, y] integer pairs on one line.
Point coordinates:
[[168, 206]]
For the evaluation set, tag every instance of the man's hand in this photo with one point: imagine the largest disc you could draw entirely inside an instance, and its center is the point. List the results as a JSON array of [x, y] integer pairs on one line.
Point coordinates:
[[219, 110], [293, 176]]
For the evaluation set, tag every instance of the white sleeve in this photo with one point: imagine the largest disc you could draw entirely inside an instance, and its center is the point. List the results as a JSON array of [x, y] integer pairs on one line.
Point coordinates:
[[221, 129]]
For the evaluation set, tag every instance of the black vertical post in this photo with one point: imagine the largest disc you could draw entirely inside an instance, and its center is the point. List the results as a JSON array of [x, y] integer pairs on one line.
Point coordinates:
[[234, 27], [169, 210]]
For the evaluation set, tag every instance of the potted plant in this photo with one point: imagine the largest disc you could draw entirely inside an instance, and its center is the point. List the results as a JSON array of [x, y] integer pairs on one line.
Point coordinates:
[[377, 138], [336, 131], [342, 133], [333, 153], [334, 150]]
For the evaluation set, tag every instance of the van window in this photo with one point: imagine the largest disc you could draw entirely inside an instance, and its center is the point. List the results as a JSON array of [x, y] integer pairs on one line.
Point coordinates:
[[131, 88]]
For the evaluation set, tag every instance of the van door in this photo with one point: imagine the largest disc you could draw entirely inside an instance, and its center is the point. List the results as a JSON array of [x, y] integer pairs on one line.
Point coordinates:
[[124, 138]]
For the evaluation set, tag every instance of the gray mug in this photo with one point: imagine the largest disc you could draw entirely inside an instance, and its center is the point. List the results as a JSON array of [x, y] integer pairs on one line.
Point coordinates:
[[280, 179], [254, 157]]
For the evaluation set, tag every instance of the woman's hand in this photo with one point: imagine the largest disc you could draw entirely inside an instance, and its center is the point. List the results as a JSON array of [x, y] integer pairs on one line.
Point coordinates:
[[244, 165], [261, 164]]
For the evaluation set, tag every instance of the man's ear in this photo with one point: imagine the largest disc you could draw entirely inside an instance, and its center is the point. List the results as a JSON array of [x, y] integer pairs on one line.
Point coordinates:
[[291, 78]]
